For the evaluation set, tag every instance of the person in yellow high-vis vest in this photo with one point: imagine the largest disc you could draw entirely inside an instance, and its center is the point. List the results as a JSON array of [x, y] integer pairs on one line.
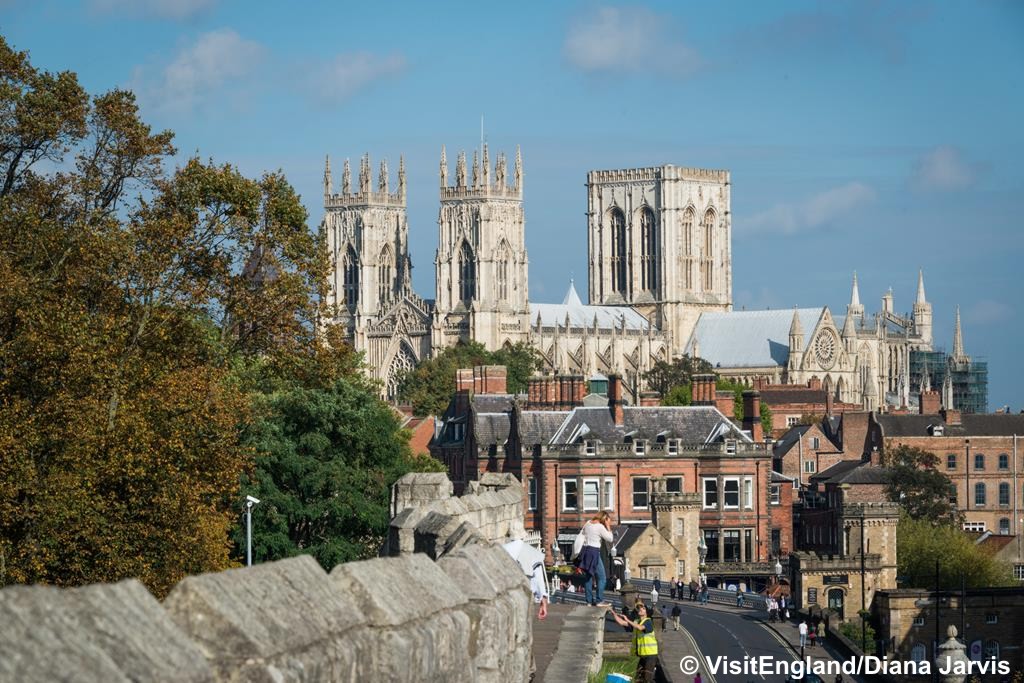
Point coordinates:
[[645, 645]]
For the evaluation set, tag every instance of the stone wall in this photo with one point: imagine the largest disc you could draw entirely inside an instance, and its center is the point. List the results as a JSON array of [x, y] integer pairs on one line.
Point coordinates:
[[427, 518], [465, 618]]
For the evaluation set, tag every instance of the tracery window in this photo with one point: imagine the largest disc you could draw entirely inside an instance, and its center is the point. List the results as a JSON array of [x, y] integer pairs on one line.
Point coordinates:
[[707, 265], [385, 276], [687, 241], [502, 274], [350, 267], [467, 274], [620, 251], [649, 255]]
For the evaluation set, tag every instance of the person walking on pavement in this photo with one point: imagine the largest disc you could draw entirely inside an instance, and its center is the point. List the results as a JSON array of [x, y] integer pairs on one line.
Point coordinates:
[[594, 531], [672, 588], [676, 612], [645, 644], [694, 589], [739, 597], [704, 594], [803, 633], [821, 631]]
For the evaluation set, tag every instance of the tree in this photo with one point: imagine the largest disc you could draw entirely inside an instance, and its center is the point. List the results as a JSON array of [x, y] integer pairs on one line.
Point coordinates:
[[664, 376], [129, 301], [919, 486], [922, 543], [327, 457], [429, 386]]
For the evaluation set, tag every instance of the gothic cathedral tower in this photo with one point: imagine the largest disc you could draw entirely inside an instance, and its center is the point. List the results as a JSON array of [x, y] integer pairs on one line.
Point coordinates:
[[660, 239], [481, 255], [370, 288]]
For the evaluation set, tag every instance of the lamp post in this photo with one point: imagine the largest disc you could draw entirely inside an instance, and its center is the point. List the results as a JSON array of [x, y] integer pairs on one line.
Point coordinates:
[[702, 553], [863, 594], [249, 502]]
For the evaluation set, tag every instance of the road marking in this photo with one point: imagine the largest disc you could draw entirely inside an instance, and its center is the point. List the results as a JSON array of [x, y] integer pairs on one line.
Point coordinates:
[[786, 647], [700, 654]]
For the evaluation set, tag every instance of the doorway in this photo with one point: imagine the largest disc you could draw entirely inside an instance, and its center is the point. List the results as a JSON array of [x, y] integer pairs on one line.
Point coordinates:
[[835, 601]]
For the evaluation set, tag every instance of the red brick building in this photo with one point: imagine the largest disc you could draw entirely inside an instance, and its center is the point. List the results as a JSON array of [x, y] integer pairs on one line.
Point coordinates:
[[579, 459], [790, 403]]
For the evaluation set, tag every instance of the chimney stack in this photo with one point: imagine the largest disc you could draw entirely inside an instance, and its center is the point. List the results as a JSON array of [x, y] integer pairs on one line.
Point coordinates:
[[829, 404], [615, 397], [950, 416], [752, 415], [930, 403], [703, 390]]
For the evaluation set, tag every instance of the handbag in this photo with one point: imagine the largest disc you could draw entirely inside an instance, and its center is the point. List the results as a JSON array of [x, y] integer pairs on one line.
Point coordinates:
[[577, 545]]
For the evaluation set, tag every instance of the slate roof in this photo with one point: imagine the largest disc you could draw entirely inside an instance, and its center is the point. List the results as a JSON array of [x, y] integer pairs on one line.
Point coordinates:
[[537, 426], [737, 339], [796, 395], [986, 424], [583, 315], [692, 424], [626, 535], [789, 439], [491, 428], [853, 472], [492, 403]]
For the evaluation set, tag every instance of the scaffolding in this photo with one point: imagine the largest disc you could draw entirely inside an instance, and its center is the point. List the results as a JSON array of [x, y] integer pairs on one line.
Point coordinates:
[[968, 376]]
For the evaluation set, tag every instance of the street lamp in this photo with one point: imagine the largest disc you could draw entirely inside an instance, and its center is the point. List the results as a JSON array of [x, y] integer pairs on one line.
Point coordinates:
[[249, 502], [778, 570]]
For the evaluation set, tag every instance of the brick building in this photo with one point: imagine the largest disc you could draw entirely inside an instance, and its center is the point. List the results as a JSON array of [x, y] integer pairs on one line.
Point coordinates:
[[790, 403], [576, 460]]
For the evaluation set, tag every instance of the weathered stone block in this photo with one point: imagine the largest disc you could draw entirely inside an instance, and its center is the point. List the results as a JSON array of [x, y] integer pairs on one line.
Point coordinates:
[[107, 632]]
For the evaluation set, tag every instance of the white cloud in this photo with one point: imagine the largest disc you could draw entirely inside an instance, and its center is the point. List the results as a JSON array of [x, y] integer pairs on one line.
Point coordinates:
[[987, 312], [628, 39], [177, 10], [943, 168], [346, 74], [218, 60], [814, 212]]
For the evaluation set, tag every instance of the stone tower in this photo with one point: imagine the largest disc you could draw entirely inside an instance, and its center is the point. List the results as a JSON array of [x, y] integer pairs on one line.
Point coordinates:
[[660, 239], [922, 314], [482, 290], [677, 517], [370, 292], [872, 526]]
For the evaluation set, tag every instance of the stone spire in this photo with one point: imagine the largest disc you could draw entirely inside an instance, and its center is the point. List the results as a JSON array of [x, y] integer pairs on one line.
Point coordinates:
[[795, 328], [476, 169], [382, 177], [920, 288], [486, 168], [500, 171], [460, 170], [796, 341], [947, 391], [328, 183], [517, 171], [958, 339], [401, 175], [849, 329], [922, 312], [364, 174], [855, 308], [444, 168], [346, 178]]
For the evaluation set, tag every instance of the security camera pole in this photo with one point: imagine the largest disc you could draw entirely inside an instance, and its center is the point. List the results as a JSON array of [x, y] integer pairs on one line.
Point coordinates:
[[249, 502]]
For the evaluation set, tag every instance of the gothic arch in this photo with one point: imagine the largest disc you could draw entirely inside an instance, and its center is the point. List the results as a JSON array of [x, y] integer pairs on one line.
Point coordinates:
[[385, 276], [841, 389], [648, 250], [402, 361], [827, 384], [686, 244], [350, 275], [467, 273], [501, 267], [707, 250], [620, 250]]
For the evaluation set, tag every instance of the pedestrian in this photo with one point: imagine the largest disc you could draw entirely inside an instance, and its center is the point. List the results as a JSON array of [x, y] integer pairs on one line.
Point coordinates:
[[672, 588], [769, 604], [739, 597], [697, 679], [803, 633], [812, 637], [654, 595], [645, 644], [664, 618], [694, 589], [679, 588], [676, 612], [594, 531], [821, 631], [704, 596], [657, 584]]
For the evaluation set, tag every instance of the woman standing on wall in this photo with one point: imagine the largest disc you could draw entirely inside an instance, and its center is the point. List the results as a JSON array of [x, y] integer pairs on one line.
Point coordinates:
[[594, 531]]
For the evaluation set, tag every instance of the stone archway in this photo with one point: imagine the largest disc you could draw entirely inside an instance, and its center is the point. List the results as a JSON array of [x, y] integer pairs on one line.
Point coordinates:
[[402, 362]]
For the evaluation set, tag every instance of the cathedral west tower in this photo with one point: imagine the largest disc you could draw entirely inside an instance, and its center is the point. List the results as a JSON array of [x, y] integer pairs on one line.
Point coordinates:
[[660, 239], [481, 277]]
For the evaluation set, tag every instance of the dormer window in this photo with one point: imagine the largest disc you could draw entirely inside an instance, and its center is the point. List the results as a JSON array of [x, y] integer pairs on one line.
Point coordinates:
[[590, 448], [639, 446], [937, 430], [673, 446], [730, 446]]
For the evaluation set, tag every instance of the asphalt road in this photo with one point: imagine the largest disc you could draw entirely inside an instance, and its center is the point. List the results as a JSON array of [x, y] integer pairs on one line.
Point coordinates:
[[733, 635]]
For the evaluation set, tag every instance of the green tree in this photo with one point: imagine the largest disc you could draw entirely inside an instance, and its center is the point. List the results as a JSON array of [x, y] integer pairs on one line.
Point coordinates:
[[327, 457], [922, 542], [429, 386], [664, 376], [919, 486]]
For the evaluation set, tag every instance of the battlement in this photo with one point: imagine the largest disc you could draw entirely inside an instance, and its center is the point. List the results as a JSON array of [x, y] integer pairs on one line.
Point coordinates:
[[483, 184], [352, 200], [364, 195], [667, 172]]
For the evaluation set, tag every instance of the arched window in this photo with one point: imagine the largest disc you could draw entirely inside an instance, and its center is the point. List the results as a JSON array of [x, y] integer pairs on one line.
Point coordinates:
[[467, 274], [620, 251], [979, 494], [1004, 526], [385, 276], [707, 263], [979, 461], [649, 255], [1004, 493], [350, 267], [687, 241], [502, 272]]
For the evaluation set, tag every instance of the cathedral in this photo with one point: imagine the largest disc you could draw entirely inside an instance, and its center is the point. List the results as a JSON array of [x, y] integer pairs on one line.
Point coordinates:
[[660, 285]]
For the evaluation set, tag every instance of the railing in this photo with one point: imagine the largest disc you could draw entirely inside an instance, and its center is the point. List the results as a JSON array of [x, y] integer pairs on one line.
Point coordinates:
[[715, 595]]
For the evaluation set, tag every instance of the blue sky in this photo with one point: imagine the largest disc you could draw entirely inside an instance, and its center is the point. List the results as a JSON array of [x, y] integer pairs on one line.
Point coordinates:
[[863, 136]]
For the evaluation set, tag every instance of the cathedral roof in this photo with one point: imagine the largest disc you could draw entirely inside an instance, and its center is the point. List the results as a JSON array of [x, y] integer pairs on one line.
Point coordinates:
[[737, 339], [584, 315]]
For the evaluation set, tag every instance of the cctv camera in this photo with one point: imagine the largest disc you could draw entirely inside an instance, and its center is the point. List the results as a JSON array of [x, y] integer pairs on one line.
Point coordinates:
[[252, 500]]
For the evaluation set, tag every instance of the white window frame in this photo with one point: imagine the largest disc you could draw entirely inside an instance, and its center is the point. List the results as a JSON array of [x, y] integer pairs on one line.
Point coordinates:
[[673, 446], [608, 494], [1018, 572], [977, 527], [640, 447], [991, 618], [531, 493], [594, 481], [810, 467], [815, 443], [776, 494], [633, 493], [565, 493], [590, 448], [680, 570], [704, 493], [748, 493], [725, 493], [792, 420]]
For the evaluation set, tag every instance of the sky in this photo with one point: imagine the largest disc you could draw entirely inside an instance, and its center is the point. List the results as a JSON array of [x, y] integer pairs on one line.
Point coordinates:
[[874, 137]]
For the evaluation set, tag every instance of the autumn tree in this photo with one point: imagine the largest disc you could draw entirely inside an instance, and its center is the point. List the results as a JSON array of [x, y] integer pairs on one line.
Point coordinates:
[[919, 486], [922, 543]]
